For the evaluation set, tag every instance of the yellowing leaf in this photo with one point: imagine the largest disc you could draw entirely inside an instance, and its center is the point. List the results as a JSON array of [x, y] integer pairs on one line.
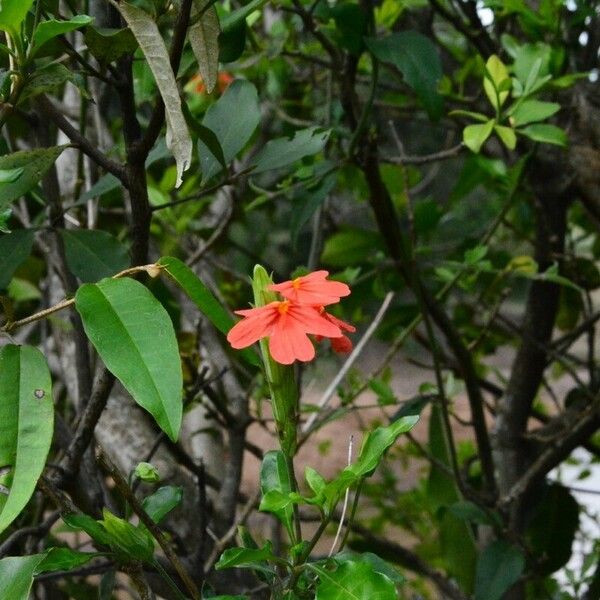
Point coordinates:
[[496, 81]]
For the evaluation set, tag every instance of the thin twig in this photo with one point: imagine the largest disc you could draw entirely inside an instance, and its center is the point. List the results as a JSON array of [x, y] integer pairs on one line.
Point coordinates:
[[345, 506]]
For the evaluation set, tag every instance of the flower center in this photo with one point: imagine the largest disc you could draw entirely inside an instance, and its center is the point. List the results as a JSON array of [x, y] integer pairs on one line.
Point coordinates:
[[283, 307], [296, 283]]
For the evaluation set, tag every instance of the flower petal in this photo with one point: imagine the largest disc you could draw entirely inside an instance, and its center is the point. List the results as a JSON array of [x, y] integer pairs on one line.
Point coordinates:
[[313, 288], [311, 321], [289, 342], [257, 323]]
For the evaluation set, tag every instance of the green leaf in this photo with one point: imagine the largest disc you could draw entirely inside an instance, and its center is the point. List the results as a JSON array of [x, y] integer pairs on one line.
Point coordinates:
[[35, 164], [314, 480], [553, 526], [203, 298], [108, 45], [52, 28], [204, 39], [377, 442], [134, 541], [507, 135], [274, 477], [15, 248], [232, 42], [238, 17], [246, 558], [547, 134], [47, 78], [498, 567], [64, 559], [379, 564], [496, 76], [468, 511], [282, 152], [134, 336], [233, 119], [95, 529], [350, 247], [26, 425], [10, 175], [474, 136], [353, 581], [416, 57], [12, 14], [531, 111], [151, 42], [16, 575], [93, 254], [162, 502]]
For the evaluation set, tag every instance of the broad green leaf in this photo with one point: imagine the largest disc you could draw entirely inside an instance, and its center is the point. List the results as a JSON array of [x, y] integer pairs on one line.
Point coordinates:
[[274, 477], [474, 136], [26, 425], [162, 502], [204, 38], [108, 45], [547, 134], [350, 247], [52, 28], [35, 164], [282, 152], [233, 119], [134, 336], [416, 57], [47, 78], [552, 528], [314, 480], [496, 74], [245, 558], [353, 581], [498, 567], [134, 541], [379, 565], [12, 14], [531, 111], [15, 248], [93, 254], [507, 135], [153, 46], [468, 511], [16, 575], [232, 42]]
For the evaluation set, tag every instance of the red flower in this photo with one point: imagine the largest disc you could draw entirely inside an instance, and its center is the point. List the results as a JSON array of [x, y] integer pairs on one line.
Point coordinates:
[[223, 80], [342, 344], [286, 324], [313, 289]]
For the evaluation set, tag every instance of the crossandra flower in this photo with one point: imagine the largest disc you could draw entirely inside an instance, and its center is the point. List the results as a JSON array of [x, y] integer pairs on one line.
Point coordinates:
[[342, 344], [286, 324], [313, 288]]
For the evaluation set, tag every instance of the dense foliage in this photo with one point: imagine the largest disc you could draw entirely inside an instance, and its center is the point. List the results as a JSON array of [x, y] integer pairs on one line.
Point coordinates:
[[162, 163]]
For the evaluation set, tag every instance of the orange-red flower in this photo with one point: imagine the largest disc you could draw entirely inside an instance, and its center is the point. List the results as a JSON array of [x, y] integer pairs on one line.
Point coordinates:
[[313, 288], [286, 324], [342, 344], [223, 80]]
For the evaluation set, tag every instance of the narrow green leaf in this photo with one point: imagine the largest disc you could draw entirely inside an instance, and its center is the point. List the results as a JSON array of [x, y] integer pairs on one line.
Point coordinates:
[[237, 17], [64, 559], [416, 57], [203, 298], [35, 164], [134, 336], [15, 248], [474, 136], [10, 175], [52, 28], [204, 38], [148, 36], [233, 119], [282, 152], [26, 425], [93, 254], [498, 567], [134, 541], [547, 134], [496, 76]]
